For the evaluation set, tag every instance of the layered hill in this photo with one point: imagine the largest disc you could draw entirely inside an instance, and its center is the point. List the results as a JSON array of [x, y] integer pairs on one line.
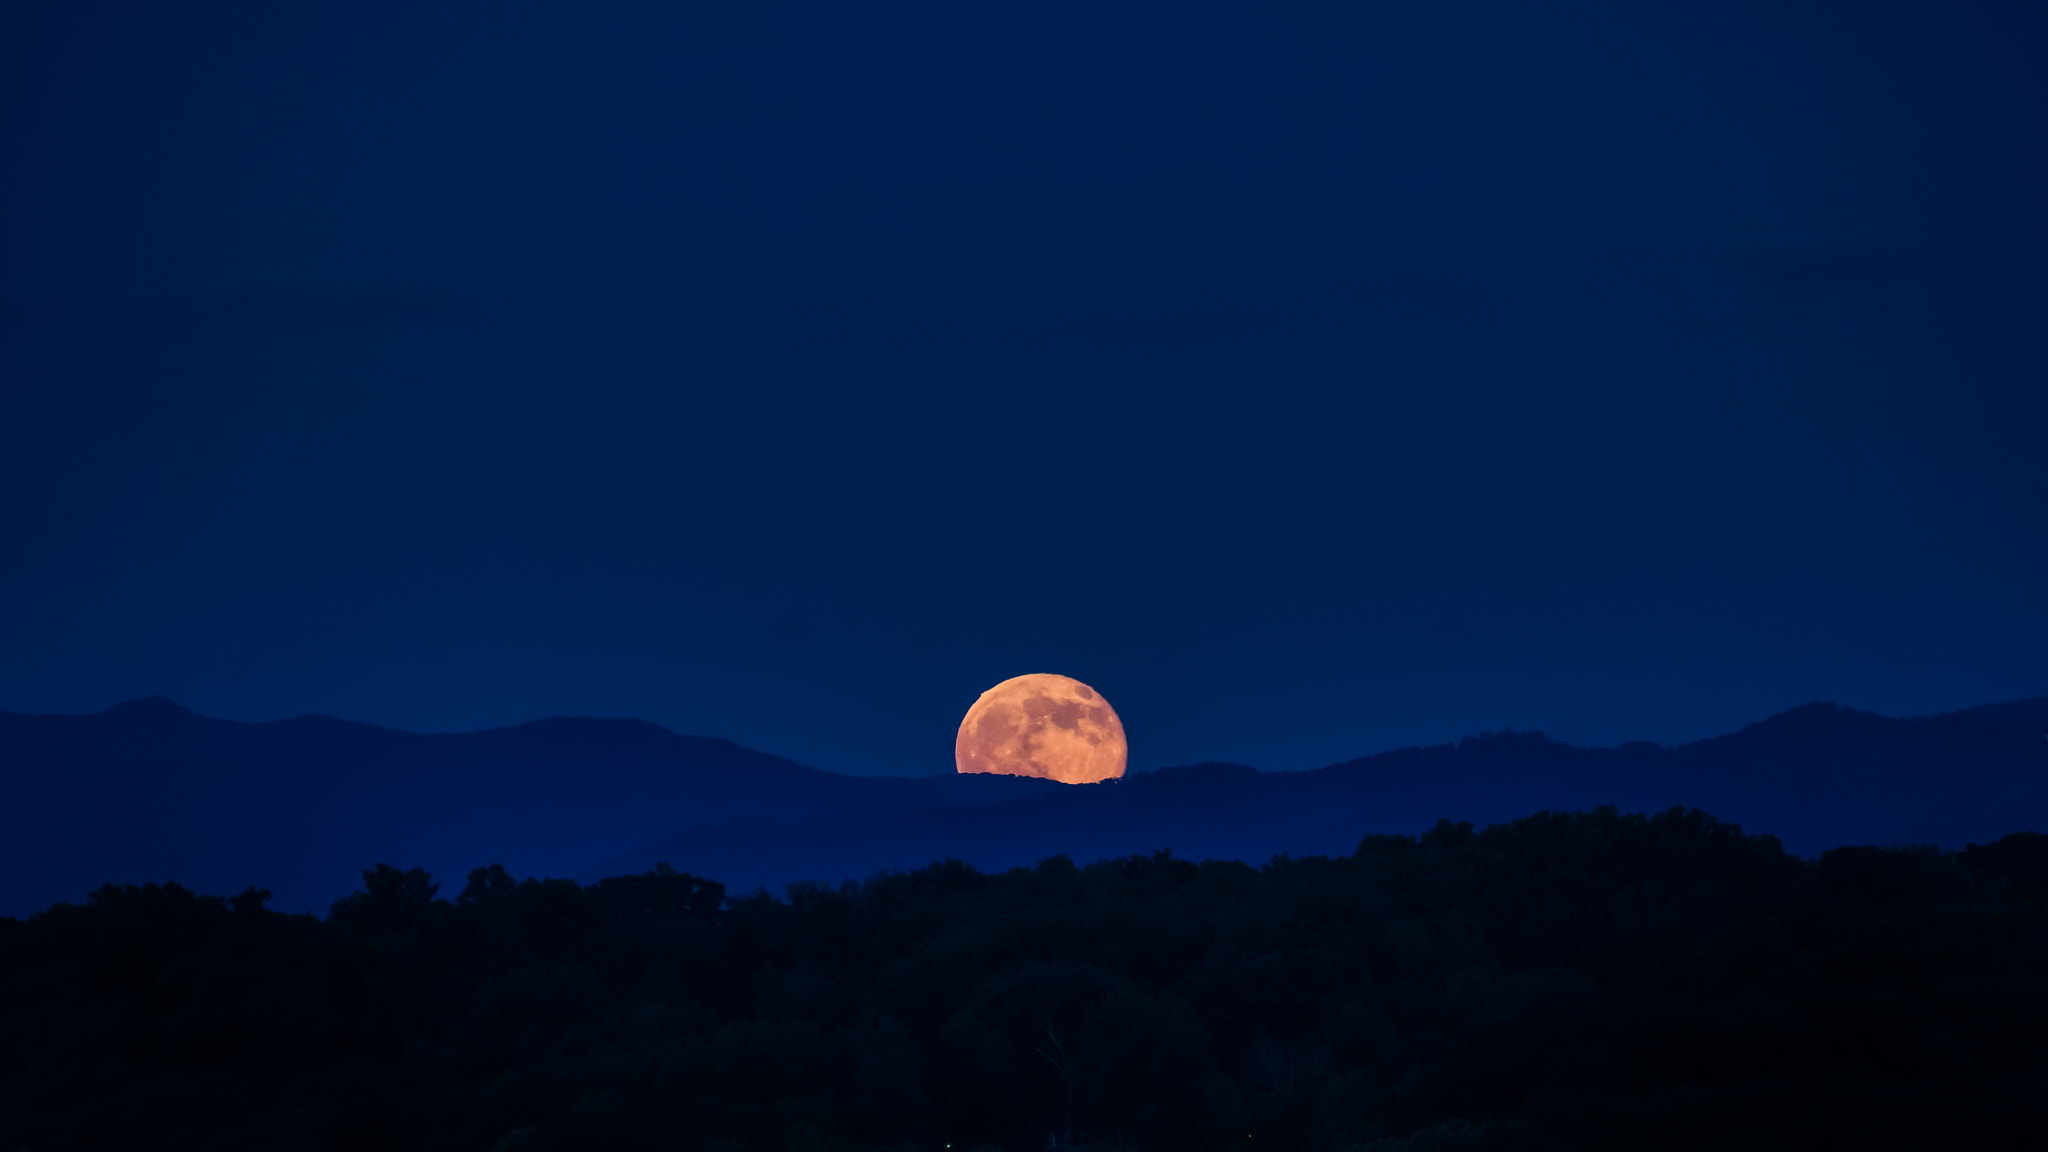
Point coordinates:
[[1818, 776], [148, 791]]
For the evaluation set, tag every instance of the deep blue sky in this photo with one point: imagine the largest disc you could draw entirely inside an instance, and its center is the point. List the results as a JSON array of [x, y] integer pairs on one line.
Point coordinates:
[[1311, 379]]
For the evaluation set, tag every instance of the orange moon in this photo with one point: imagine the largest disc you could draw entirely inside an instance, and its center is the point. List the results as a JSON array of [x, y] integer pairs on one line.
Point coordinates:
[[1042, 725]]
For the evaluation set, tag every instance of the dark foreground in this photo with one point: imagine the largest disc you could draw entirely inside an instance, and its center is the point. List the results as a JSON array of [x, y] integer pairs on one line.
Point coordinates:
[[1565, 981]]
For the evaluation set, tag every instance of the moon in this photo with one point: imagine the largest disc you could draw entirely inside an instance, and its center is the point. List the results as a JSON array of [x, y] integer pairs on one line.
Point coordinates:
[[1044, 725]]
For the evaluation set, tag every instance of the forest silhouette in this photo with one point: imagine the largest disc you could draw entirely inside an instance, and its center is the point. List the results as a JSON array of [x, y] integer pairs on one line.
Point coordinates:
[[1565, 980]]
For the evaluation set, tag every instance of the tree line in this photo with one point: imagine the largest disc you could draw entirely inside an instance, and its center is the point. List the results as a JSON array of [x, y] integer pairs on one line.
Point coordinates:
[[1564, 981]]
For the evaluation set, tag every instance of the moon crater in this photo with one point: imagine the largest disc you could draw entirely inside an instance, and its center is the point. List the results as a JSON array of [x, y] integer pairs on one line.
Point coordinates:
[[1044, 725]]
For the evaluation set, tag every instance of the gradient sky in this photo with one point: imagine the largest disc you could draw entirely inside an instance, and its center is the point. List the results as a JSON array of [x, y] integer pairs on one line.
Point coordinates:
[[1309, 379]]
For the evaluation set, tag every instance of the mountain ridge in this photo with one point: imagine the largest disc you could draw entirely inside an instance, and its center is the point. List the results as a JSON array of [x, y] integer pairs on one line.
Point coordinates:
[[148, 790], [1816, 776]]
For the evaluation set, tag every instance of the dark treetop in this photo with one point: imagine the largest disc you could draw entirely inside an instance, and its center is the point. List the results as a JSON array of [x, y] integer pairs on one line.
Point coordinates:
[[1564, 981]]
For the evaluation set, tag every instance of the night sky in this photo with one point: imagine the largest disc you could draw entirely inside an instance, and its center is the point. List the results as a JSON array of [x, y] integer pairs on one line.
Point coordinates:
[[1309, 379]]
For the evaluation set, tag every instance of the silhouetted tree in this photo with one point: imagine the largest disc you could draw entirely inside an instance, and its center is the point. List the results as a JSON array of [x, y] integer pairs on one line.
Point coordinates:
[[1568, 980]]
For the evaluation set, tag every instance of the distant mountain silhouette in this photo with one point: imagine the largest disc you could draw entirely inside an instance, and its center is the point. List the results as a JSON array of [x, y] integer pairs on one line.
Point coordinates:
[[1818, 776], [150, 791], [2033, 711]]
